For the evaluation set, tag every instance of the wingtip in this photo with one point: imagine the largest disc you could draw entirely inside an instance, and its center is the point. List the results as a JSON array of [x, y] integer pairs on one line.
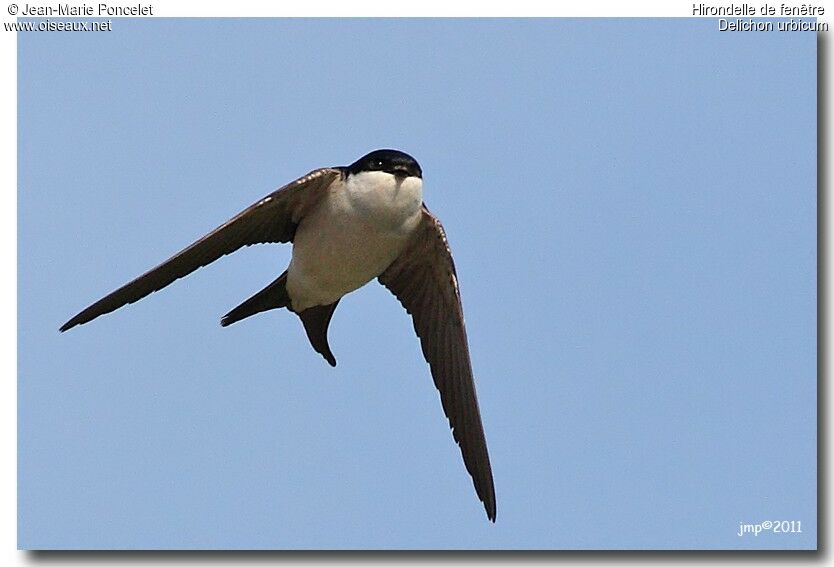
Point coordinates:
[[79, 319], [229, 319]]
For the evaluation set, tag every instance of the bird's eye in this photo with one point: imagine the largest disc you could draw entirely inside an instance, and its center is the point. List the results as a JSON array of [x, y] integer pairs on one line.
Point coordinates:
[[378, 163]]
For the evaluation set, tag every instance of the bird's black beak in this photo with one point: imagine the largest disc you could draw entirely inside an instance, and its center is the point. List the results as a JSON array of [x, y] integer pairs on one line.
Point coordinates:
[[401, 172]]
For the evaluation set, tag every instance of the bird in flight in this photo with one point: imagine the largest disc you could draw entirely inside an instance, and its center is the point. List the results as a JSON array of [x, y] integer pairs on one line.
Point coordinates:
[[349, 225]]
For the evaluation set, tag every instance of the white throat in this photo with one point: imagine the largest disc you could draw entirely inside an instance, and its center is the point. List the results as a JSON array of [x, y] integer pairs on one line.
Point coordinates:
[[384, 200]]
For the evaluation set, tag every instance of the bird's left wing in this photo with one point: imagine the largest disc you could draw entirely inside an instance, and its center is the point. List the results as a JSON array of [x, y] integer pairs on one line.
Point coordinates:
[[423, 278], [272, 219]]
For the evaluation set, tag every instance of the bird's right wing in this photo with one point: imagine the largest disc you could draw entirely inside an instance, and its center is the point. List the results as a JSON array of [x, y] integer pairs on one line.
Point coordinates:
[[272, 219], [423, 279]]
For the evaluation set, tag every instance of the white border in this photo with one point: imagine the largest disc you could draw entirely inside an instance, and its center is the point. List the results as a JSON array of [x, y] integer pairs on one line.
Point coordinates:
[[8, 298], [428, 8], [250, 8]]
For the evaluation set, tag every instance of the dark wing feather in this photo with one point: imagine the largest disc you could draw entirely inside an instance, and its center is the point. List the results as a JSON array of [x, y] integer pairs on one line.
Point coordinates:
[[424, 280], [272, 219]]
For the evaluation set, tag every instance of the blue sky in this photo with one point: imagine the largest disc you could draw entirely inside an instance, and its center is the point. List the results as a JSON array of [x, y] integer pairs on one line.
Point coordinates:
[[632, 209]]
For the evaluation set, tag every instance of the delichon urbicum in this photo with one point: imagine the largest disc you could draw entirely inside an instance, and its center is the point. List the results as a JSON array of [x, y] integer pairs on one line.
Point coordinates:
[[349, 225]]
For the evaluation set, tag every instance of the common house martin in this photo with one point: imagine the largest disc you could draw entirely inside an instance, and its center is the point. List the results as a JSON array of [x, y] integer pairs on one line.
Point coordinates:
[[349, 225]]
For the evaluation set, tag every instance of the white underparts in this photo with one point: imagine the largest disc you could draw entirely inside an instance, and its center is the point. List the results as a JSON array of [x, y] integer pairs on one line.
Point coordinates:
[[355, 232]]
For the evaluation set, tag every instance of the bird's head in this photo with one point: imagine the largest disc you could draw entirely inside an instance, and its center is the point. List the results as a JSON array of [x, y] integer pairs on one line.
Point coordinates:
[[395, 162]]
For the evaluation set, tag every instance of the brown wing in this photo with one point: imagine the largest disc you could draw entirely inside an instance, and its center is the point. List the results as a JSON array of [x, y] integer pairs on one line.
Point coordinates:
[[423, 279], [272, 219]]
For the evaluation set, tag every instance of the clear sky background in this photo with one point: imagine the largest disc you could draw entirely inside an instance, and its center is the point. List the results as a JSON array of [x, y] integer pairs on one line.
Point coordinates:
[[632, 209]]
